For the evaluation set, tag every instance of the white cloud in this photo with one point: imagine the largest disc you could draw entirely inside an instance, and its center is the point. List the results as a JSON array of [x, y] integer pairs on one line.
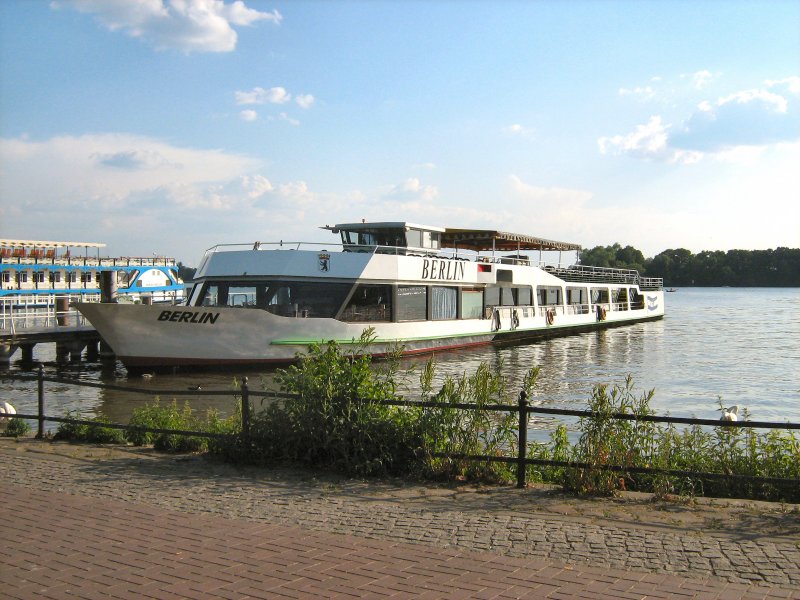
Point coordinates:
[[644, 93], [186, 25], [792, 84], [292, 121], [412, 189], [259, 95], [139, 192], [646, 141], [747, 118], [518, 130], [702, 78], [769, 100], [304, 100], [248, 115]]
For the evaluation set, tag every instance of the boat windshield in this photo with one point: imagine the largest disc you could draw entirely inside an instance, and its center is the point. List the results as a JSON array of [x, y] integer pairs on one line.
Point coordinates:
[[284, 298]]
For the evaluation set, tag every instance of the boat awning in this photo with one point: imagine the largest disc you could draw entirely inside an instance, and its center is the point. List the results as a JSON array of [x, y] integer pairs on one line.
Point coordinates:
[[46, 244], [489, 239]]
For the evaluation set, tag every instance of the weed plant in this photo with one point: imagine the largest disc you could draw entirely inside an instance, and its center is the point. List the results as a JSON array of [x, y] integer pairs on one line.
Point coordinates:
[[94, 433], [16, 427], [478, 431], [169, 416], [729, 450]]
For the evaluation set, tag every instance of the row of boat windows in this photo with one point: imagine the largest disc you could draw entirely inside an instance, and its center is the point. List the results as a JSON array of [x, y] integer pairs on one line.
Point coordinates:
[[384, 302], [52, 277], [124, 278]]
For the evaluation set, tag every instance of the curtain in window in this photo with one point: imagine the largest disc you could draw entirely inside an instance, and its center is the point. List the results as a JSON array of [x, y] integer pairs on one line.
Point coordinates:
[[445, 303]]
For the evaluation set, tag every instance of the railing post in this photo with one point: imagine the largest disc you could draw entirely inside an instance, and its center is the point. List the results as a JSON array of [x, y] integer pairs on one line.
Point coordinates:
[[245, 409], [40, 433], [522, 438]]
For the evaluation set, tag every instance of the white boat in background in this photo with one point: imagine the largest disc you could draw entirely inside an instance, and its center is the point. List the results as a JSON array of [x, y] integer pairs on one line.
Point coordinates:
[[421, 288], [34, 272]]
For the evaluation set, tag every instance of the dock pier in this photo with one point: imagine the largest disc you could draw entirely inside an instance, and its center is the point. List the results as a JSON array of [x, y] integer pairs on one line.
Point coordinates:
[[65, 328]]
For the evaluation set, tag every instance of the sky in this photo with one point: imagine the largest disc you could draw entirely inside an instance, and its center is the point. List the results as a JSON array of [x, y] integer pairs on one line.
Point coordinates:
[[170, 126]]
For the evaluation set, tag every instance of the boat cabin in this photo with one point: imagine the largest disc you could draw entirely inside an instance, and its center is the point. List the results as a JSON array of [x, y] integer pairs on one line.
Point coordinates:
[[389, 237]]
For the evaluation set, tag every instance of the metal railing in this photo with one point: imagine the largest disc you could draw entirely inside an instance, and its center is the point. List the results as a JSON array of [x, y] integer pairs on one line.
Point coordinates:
[[522, 408], [23, 312]]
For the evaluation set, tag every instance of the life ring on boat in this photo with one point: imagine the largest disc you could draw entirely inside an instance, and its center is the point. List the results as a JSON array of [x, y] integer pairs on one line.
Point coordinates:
[[551, 316], [514, 319], [601, 313]]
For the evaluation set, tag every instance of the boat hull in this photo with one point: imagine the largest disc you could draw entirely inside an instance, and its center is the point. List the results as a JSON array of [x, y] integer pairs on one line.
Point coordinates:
[[154, 338]]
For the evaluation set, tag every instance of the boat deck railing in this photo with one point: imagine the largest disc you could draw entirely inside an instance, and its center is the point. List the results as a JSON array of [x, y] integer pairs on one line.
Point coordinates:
[[447, 253], [588, 274], [89, 261]]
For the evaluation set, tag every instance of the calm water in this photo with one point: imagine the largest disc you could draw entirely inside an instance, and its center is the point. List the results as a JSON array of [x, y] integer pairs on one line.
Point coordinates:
[[740, 345]]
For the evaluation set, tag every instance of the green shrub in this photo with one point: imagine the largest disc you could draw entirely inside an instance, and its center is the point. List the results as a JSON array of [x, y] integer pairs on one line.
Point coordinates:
[[454, 431], [93, 433], [335, 417], [158, 416], [16, 428]]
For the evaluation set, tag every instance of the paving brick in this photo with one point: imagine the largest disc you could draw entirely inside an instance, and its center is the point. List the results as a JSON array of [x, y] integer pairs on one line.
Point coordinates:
[[123, 548]]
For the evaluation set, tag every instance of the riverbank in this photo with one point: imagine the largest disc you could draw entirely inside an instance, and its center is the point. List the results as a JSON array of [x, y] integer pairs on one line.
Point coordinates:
[[730, 540]]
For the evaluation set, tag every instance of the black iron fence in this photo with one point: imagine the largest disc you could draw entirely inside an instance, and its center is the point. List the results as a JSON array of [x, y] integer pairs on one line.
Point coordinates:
[[522, 408]]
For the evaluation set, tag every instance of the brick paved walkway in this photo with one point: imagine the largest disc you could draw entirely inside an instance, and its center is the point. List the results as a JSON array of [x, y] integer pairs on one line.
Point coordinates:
[[62, 546], [76, 528]]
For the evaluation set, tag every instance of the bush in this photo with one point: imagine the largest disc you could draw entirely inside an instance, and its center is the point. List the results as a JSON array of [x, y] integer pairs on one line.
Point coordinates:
[[17, 427], [448, 430], [93, 433], [335, 416], [156, 416]]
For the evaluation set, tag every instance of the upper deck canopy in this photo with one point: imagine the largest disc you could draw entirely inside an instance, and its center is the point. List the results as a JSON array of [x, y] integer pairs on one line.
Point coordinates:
[[489, 239], [48, 244]]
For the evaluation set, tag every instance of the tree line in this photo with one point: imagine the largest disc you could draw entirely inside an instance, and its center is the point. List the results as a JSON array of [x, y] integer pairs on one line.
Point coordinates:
[[680, 267]]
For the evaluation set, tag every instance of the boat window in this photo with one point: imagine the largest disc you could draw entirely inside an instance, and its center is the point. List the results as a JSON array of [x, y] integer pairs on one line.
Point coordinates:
[[637, 299], [548, 295], [286, 299], [369, 303], [412, 303], [444, 303], [600, 296], [578, 300], [195, 295], [308, 299], [431, 239], [576, 295], [471, 303], [492, 296], [508, 296], [379, 237], [619, 297], [505, 275], [525, 296], [414, 238]]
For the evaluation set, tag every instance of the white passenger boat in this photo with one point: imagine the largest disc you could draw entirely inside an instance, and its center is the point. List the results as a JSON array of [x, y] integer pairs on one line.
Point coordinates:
[[421, 288], [33, 273]]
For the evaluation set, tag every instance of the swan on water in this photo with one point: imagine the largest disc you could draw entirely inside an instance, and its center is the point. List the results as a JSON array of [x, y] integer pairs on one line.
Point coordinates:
[[6, 409], [729, 414]]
